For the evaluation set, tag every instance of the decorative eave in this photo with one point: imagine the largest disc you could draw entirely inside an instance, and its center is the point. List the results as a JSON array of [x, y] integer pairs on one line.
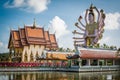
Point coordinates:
[[53, 43], [47, 38], [23, 40]]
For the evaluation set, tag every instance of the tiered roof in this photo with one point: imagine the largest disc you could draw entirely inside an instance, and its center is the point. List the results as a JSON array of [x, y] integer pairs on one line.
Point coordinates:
[[32, 35]]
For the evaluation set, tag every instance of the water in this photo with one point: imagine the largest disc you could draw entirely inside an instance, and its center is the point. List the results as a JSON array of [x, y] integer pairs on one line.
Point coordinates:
[[59, 76]]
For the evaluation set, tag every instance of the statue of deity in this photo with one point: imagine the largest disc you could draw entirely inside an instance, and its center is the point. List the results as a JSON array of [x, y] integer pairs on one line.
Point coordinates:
[[92, 31]]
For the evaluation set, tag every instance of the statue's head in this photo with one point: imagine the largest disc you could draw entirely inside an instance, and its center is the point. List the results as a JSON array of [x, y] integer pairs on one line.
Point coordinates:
[[91, 16]]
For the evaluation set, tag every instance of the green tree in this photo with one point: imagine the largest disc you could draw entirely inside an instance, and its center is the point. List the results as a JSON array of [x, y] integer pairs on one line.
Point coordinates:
[[68, 50], [111, 47], [61, 49]]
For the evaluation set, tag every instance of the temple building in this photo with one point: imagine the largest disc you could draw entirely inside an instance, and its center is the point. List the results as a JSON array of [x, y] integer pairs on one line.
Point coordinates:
[[94, 57], [25, 44]]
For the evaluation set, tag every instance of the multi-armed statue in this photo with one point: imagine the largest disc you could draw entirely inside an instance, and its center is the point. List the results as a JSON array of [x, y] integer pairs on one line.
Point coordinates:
[[92, 30]]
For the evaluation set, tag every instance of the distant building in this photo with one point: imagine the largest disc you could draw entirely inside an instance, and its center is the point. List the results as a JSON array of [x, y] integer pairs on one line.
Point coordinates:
[[25, 44]]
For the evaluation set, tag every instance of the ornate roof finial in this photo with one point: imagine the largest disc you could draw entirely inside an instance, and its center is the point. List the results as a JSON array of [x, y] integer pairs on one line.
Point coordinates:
[[24, 24], [34, 24]]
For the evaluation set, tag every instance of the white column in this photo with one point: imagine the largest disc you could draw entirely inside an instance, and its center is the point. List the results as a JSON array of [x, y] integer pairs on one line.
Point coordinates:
[[89, 62], [79, 60]]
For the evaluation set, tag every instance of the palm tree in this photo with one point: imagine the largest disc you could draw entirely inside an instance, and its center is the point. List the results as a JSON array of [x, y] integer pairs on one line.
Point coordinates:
[[111, 47]]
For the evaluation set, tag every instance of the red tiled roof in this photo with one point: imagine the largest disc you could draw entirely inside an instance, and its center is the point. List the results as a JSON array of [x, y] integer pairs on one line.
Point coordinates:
[[16, 38], [30, 35], [47, 38], [95, 54], [34, 32], [92, 54], [23, 36], [53, 41], [35, 35]]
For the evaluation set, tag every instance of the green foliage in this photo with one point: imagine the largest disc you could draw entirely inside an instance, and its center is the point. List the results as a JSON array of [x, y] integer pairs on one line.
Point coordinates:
[[61, 49], [4, 56]]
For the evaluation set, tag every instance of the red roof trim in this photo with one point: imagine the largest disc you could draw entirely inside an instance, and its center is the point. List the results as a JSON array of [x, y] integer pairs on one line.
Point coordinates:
[[89, 54]]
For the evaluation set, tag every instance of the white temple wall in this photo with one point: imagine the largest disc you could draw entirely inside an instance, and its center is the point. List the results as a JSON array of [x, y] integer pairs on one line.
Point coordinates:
[[34, 50]]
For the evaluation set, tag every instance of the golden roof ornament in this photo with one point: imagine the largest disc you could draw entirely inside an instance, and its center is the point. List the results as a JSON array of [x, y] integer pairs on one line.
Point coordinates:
[[34, 24]]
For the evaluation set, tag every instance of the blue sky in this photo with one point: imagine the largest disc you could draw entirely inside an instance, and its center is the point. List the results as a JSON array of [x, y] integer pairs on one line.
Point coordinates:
[[59, 15]]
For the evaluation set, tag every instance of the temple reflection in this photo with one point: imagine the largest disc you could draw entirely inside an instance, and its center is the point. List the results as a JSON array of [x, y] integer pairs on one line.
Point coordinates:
[[58, 76]]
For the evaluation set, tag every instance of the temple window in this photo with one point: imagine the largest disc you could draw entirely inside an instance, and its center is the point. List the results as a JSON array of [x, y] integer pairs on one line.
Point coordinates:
[[94, 62], [84, 62], [109, 62]]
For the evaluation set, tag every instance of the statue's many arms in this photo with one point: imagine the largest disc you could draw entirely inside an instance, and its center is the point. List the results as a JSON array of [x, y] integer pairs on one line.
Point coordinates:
[[92, 30]]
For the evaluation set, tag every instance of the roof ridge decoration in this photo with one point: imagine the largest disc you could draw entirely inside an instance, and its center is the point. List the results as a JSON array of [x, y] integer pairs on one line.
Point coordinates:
[[34, 24]]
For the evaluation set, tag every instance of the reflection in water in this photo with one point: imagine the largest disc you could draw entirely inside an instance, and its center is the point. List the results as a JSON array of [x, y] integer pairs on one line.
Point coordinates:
[[59, 76]]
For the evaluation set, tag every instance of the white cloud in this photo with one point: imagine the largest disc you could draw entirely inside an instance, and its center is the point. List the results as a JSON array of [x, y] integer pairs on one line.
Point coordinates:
[[3, 47], [105, 40], [59, 26], [1, 44], [110, 41], [112, 21], [34, 6], [66, 42]]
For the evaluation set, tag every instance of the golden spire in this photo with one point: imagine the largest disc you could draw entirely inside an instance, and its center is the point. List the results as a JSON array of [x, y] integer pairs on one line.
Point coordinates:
[[34, 24], [23, 24]]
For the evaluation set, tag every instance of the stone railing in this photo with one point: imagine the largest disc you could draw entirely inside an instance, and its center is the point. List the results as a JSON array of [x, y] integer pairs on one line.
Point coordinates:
[[99, 68]]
